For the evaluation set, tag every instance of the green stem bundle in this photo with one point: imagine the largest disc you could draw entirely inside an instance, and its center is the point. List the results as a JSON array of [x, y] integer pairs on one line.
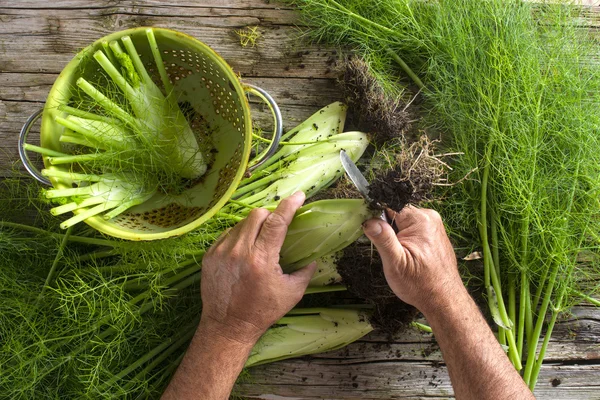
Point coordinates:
[[511, 83], [136, 143]]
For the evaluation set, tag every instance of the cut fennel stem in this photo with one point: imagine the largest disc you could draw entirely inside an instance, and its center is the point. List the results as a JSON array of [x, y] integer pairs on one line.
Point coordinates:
[[115, 192], [309, 331]]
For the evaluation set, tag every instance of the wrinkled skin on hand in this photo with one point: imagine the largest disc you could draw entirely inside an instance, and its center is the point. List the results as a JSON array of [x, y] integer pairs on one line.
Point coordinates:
[[419, 262], [244, 290]]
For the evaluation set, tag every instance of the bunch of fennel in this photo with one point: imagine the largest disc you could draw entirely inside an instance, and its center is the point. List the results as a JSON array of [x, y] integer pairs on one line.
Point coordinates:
[[512, 84], [129, 145], [120, 313]]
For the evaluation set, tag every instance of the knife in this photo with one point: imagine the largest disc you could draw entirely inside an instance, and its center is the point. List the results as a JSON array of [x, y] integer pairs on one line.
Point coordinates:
[[359, 180]]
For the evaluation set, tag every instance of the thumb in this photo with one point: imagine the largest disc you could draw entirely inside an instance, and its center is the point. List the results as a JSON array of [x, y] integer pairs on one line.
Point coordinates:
[[385, 240], [302, 277]]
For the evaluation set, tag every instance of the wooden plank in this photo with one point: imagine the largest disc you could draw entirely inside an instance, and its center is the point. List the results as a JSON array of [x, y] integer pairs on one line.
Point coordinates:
[[21, 87], [311, 379], [35, 22], [86, 4], [45, 41], [37, 39], [291, 91]]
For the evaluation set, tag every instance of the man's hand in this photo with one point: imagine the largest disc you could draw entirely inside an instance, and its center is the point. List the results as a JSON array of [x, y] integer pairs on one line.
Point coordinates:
[[418, 262], [420, 267], [244, 291]]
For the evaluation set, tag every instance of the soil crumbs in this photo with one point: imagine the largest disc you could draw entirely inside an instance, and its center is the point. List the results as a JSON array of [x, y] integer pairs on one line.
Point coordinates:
[[362, 271], [391, 190]]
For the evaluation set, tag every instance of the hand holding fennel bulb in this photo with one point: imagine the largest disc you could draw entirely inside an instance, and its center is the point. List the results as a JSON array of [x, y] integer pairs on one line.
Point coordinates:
[[250, 253], [244, 291]]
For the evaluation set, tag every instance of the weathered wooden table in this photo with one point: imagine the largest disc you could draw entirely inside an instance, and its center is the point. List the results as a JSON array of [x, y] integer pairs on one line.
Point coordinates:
[[38, 38]]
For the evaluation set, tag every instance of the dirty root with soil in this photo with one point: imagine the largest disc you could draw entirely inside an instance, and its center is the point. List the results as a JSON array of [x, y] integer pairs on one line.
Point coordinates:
[[415, 170], [403, 170], [360, 264], [370, 108]]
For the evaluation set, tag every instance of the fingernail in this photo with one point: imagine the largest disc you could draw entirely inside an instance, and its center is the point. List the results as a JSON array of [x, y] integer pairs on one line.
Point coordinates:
[[372, 227], [299, 194]]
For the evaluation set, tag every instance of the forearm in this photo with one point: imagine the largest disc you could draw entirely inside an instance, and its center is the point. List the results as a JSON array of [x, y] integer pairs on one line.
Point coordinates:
[[478, 367], [244, 292], [209, 368]]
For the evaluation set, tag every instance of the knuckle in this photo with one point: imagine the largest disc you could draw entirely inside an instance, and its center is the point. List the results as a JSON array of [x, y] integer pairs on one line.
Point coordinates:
[[424, 215], [410, 211], [274, 220], [209, 253], [428, 217], [434, 215], [206, 262], [235, 253], [214, 251], [410, 216], [257, 259]]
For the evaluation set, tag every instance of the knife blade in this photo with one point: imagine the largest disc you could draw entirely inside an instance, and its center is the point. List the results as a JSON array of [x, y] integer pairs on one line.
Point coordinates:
[[355, 176], [359, 180]]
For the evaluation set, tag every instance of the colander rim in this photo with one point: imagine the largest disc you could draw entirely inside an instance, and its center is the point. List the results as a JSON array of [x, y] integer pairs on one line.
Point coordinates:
[[66, 79]]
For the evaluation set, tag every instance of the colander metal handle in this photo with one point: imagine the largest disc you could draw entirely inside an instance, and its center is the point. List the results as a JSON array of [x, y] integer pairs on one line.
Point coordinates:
[[278, 128], [33, 171]]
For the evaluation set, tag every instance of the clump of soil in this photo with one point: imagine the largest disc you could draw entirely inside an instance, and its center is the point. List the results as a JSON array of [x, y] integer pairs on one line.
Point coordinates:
[[411, 173], [362, 272], [371, 109], [390, 189]]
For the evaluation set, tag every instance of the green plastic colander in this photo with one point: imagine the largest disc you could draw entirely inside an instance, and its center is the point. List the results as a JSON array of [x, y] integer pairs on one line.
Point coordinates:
[[202, 80]]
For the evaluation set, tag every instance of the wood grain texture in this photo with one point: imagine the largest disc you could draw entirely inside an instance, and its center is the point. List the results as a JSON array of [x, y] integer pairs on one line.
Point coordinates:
[[38, 38], [410, 366]]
